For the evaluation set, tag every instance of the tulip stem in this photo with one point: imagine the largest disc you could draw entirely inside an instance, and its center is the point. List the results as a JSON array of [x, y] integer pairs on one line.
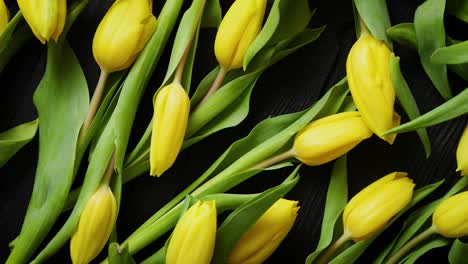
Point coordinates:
[[326, 256], [215, 86], [411, 244], [180, 67], [109, 170], [274, 160], [94, 104], [363, 27]]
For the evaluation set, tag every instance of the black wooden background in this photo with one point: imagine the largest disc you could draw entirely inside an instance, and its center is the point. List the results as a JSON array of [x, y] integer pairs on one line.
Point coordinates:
[[289, 86]]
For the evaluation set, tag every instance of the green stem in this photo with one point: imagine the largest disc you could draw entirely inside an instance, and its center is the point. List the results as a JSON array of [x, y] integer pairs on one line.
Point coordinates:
[[411, 244], [94, 104], [274, 160], [328, 254], [214, 87], [364, 29]]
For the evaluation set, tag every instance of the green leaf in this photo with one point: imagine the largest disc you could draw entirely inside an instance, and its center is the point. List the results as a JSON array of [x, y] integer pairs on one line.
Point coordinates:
[[219, 101], [404, 34], [424, 248], [286, 19], [62, 102], [458, 8], [418, 219], [374, 13], [119, 255], [115, 136], [212, 14], [458, 252], [351, 254], [453, 108], [244, 217], [454, 54], [12, 140], [407, 100], [337, 198], [430, 34]]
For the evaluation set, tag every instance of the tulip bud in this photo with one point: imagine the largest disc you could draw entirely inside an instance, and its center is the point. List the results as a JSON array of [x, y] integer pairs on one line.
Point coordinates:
[[462, 153], [374, 206], [368, 72], [4, 15], [123, 33], [238, 29], [330, 137], [171, 112], [194, 236], [262, 239], [46, 18], [450, 218], [96, 223]]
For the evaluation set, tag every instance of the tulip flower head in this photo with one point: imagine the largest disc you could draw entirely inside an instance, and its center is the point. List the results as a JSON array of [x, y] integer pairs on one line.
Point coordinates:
[[194, 236], [123, 33], [95, 226], [368, 73], [4, 15], [171, 112], [238, 29], [374, 206], [450, 218], [330, 137], [462, 153], [46, 18], [262, 239]]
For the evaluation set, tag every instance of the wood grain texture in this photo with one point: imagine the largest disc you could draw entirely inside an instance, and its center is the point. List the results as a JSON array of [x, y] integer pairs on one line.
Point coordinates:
[[291, 85]]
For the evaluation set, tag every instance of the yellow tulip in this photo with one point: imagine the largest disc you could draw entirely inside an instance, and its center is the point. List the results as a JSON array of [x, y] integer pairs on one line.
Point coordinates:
[[4, 15], [95, 226], [123, 33], [328, 138], [46, 18], [368, 72], [450, 218], [262, 239], [194, 236], [374, 206], [171, 112], [238, 29], [462, 153]]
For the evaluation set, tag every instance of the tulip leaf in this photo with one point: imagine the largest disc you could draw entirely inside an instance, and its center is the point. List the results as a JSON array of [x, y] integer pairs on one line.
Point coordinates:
[[12, 39], [185, 35], [212, 14], [114, 138], [286, 19], [245, 216], [454, 54], [430, 34], [458, 8], [453, 108], [337, 198], [407, 100], [119, 255], [458, 252], [352, 253], [12, 140], [424, 248], [404, 34], [62, 102], [417, 220], [374, 13]]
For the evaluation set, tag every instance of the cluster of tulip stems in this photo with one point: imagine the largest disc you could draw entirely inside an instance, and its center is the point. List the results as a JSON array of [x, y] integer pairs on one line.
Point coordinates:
[[127, 45]]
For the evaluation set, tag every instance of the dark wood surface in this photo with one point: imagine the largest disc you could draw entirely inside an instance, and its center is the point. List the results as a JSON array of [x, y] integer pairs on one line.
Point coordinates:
[[289, 86]]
